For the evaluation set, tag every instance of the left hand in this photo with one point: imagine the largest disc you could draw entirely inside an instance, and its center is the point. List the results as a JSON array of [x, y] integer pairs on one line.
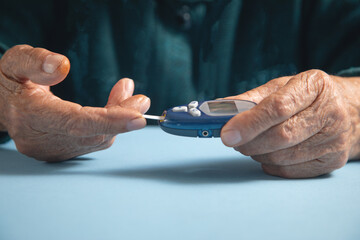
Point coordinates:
[[303, 126]]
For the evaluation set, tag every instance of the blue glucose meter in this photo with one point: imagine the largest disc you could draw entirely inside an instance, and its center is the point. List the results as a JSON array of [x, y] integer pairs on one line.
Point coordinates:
[[202, 119]]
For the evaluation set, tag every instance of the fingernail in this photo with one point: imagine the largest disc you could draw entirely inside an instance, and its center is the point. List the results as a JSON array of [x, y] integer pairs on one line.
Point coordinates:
[[231, 137], [135, 124], [52, 62], [145, 105]]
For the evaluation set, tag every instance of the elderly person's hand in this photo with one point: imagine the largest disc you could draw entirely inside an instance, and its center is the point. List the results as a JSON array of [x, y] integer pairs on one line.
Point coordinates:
[[47, 128], [303, 126]]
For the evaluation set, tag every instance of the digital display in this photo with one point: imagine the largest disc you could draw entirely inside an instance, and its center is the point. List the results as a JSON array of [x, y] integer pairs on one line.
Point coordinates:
[[223, 108]]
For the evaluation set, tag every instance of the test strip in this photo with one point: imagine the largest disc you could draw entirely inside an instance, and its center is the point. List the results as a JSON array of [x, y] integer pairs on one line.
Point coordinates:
[[153, 117]]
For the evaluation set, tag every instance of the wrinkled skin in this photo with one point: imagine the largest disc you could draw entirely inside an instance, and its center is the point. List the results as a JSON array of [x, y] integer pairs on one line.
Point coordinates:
[[48, 128], [303, 126]]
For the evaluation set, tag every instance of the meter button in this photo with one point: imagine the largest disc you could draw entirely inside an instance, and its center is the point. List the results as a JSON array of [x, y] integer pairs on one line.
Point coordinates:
[[195, 112], [193, 104], [180, 109]]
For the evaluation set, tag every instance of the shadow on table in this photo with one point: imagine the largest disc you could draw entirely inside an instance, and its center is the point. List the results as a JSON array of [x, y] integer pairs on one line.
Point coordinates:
[[200, 171], [14, 163], [206, 171]]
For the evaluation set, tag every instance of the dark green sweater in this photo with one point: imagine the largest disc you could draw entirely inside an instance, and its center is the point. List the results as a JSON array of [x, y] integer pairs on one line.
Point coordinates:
[[177, 51]]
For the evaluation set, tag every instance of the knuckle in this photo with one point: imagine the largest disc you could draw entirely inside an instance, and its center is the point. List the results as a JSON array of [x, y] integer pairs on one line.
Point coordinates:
[[316, 74], [285, 134], [15, 50], [281, 105], [12, 53], [20, 47], [315, 79], [12, 56]]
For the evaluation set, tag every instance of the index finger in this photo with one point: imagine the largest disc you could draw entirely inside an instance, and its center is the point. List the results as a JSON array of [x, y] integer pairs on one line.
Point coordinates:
[[68, 118], [296, 95]]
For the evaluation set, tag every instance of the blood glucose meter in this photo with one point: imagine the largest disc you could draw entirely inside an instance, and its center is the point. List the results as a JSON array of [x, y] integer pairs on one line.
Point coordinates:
[[202, 119]]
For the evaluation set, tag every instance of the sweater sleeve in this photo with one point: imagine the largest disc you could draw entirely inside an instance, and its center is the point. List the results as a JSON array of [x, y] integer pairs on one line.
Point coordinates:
[[4, 136], [331, 36]]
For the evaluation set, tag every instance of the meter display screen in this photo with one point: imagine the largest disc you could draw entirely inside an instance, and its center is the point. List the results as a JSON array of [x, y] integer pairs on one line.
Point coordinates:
[[223, 108]]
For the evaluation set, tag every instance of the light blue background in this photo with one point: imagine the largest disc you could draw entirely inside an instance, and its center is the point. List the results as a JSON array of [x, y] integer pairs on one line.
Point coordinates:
[[151, 185]]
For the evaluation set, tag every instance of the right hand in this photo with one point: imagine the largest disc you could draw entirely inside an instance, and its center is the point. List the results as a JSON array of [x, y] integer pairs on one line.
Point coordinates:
[[48, 128]]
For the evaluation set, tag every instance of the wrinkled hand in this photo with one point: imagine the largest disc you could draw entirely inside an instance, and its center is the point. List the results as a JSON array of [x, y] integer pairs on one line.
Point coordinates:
[[47, 128], [303, 126]]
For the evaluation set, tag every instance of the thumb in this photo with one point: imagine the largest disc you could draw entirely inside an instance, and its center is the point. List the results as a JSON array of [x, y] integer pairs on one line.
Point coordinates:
[[230, 134], [23, 62]]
